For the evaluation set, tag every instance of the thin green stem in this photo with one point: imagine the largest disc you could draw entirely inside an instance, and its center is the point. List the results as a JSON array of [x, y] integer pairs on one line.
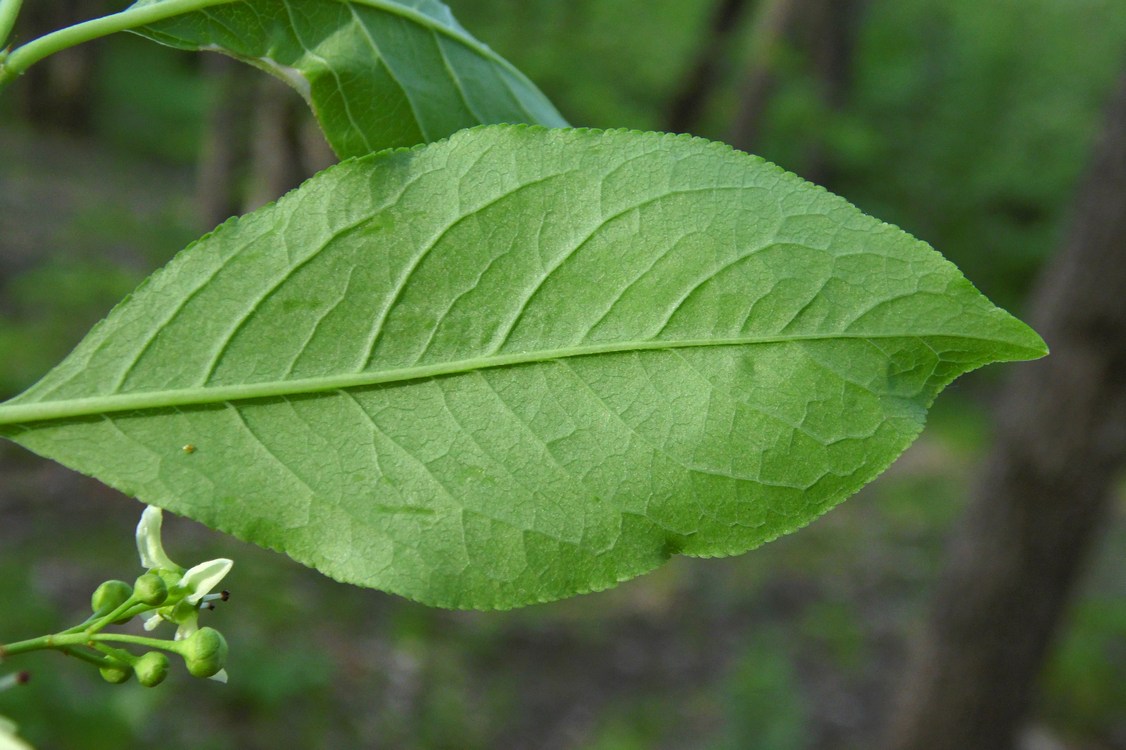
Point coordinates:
[[95, 623], [115, 656], [81, 627], [24, 57], [106, 620], [9, 10], [95, 659], [31, 644], [57, 641], [139, 640], [67, 641]]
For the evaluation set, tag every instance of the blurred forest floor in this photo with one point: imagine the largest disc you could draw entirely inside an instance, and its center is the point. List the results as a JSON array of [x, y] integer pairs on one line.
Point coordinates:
[[795, 645]]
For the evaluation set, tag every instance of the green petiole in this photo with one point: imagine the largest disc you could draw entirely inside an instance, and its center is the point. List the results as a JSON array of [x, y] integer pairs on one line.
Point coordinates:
[[22, 58]]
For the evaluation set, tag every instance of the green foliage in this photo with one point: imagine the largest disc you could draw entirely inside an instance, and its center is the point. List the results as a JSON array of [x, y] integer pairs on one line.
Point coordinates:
[[377, 73], [972, 122], [764, 706], [964, 122], [159, 114], [1084, 692], [833, 629], [521, 364], [593, 71], [47, 309]]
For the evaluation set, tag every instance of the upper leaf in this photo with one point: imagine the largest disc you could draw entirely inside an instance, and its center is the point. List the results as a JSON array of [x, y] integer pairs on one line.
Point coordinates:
[[520, 364], [377, 73]]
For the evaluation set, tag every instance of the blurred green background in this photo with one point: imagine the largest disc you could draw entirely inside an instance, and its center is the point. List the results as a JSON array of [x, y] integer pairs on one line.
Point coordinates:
[[967, 123]]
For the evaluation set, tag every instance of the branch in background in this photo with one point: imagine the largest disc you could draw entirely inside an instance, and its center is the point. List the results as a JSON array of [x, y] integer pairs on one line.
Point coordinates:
[[57, 94], [772, 21], [1045, 492], [825, 30], [223, 153], [260, 141], [286, 149], [829, 31], [706, 72]]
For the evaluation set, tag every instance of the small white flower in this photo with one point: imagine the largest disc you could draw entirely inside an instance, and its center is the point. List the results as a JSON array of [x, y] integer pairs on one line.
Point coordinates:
[[191, 591], [149, 545], [204, 577], [197, 581]]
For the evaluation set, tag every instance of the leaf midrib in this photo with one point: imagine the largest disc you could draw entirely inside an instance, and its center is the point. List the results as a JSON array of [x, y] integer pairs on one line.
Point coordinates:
[[22, 414]]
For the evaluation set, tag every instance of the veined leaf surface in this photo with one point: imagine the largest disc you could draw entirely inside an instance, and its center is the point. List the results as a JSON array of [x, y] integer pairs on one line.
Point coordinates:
[[377, 73], [520, 364]]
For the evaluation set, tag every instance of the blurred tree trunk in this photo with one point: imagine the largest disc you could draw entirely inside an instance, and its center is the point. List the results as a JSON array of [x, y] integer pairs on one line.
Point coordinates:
[[829, 31], [773, 19], [260, 142], [58, 91], [1044, 493], [707, 70], [287, 146], [825, 33], [225, 147]]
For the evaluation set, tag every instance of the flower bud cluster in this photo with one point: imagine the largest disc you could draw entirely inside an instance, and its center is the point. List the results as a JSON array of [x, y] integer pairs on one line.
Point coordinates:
[[165, 592]]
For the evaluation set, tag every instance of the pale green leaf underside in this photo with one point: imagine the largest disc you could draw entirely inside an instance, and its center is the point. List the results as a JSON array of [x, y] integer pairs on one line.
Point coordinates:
[[377, 73], [520, 364]]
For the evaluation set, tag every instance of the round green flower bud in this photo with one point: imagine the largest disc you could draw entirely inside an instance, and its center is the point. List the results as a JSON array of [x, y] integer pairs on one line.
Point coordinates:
[[205, 652], [116, 675], [151, 589], [109, 596], [151, 668]]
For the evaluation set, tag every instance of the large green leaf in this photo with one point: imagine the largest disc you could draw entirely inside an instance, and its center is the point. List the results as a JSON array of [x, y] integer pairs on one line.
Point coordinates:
[[520, 364], [377, 73]]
